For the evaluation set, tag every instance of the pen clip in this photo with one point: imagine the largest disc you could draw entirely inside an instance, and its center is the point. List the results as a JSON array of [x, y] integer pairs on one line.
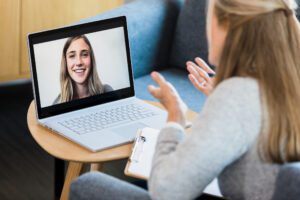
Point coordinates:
[[137, 147]]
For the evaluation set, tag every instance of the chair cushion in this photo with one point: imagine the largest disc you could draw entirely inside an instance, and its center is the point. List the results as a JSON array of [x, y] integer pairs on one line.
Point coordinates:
[[191, 96], [190, 35], [288, 182]]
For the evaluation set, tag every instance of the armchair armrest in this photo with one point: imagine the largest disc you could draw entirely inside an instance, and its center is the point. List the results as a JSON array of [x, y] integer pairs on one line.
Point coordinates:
[[151, 24]]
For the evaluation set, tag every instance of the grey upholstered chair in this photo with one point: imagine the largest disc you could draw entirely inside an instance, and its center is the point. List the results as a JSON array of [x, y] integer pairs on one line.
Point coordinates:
[[288, 183]]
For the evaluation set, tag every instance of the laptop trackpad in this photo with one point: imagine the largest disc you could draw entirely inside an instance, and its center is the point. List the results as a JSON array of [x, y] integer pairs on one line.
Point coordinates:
[[129, 131]]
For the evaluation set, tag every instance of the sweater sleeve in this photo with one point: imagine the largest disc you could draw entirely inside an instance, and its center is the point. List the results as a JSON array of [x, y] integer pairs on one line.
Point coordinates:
[[183, 165]]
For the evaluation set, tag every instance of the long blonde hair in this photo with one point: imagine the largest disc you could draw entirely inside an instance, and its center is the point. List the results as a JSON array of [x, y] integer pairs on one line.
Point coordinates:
[[67, 86], [263, 42]]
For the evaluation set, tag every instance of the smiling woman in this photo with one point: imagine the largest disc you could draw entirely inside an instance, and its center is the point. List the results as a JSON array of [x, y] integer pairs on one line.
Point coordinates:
[[78, 72]]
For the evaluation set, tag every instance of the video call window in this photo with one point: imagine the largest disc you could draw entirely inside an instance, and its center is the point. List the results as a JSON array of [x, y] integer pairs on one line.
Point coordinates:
[[81, 66]]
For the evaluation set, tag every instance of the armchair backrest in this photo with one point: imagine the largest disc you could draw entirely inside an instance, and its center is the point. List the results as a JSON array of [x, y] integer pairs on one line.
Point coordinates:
[[190, 34], [151, 24]]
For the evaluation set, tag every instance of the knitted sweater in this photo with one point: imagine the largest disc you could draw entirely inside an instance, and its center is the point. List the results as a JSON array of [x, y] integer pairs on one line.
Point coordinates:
[[222, 143]]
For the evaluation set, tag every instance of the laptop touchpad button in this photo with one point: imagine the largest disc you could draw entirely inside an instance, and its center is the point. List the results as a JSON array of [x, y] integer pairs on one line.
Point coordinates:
[[129, 131]]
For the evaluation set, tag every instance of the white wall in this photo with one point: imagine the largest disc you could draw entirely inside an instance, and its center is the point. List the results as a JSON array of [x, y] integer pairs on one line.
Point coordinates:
[[110, 53]]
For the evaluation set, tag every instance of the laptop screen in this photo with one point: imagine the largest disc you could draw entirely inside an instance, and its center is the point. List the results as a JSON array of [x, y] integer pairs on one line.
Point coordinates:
[[80, 66]]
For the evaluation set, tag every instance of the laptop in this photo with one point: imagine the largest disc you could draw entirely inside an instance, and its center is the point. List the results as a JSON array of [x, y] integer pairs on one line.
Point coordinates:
[[83, 84]]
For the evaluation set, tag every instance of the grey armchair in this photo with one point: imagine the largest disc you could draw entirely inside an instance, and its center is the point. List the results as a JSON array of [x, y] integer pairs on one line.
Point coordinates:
[[159, 40]]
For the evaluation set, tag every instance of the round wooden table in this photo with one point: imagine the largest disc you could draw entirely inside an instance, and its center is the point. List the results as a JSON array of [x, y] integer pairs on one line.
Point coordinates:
[[64, 149]]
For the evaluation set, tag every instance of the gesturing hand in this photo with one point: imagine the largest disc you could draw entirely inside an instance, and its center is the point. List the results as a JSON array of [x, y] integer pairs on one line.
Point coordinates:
[[199, 75], [170, 99]]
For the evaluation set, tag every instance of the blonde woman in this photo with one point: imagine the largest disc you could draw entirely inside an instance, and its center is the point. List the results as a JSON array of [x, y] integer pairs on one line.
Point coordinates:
[[249, 126], [78, 72]]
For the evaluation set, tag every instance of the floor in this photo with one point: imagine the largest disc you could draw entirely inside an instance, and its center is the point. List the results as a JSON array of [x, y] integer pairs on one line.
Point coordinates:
[[26, 171]]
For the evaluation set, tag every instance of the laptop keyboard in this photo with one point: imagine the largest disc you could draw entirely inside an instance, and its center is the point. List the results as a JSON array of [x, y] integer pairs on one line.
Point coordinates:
[[107, 118]]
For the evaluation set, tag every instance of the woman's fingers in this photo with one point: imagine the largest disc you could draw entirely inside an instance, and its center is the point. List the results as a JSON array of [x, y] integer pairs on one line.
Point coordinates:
[[158, 78], [203, 87], [193, 71], [204, 66], [195, 82], [199, 73], [154, 91], [167, 95]]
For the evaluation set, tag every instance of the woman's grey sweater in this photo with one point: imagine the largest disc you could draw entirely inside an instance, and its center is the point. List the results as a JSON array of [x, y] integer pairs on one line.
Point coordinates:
[[222, 143]]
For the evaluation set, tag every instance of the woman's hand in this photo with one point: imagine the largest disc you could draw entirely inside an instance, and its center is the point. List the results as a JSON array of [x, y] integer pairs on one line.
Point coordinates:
[[200, 75], [170, 99]]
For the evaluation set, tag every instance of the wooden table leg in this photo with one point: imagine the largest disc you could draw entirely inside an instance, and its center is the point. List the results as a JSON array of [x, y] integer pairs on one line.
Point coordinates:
[[74, 170], [96, 167]]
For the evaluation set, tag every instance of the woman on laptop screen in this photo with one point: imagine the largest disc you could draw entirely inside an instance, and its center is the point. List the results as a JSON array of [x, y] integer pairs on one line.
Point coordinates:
[[78, 71]]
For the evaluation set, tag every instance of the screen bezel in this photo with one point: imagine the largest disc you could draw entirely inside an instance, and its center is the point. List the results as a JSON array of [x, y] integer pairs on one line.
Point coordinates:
[[70, 31]]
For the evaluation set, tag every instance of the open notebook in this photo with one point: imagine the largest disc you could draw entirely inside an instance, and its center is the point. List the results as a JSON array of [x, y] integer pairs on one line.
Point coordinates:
[[140, 162]]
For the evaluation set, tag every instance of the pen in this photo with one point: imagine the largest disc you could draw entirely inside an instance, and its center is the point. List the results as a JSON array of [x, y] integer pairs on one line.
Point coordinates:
[[134, 145], [137, 148]]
